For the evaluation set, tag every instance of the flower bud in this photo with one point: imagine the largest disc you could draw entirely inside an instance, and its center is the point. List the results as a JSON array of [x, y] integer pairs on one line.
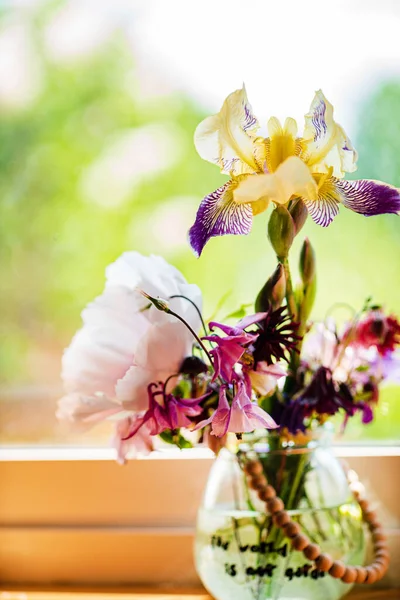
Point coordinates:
[[307, 262], [159, 303], [310, 290], [299, 214], [281, 231], [273, 292]]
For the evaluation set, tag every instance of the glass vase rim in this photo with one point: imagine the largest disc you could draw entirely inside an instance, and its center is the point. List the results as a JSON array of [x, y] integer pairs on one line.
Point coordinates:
[[270, 443]]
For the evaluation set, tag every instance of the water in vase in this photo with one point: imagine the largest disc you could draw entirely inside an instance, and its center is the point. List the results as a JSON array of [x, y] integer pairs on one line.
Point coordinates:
[[241, 556]]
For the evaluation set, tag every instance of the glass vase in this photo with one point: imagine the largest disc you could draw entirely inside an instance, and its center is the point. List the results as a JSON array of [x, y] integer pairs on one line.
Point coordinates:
[[239, 552]]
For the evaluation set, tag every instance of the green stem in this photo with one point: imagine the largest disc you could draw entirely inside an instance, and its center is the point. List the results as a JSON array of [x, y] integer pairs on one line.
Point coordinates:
[[294, 362], [290, 299], [194, 334], [296, 482]]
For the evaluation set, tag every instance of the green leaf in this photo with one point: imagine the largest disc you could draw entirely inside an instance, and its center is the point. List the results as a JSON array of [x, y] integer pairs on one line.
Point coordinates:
[[175, 438], [239, 313]]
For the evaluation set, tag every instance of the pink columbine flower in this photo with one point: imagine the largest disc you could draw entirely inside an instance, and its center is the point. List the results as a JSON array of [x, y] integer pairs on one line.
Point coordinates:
[[230, 348], [140, 444], [243, 416], [166, 411]]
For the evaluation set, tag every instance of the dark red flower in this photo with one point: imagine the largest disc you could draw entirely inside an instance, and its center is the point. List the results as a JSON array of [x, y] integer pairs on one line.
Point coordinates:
[[323, 396], [277, 337], [377, 330]]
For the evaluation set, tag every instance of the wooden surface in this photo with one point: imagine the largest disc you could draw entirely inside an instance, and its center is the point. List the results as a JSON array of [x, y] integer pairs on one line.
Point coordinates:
[[21, 594]]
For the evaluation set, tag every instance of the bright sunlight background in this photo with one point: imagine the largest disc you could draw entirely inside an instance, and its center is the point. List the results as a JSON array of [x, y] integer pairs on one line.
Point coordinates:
[[98, 105]]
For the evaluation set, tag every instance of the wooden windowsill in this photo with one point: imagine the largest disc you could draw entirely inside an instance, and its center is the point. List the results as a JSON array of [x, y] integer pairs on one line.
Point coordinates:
[[19, 593]]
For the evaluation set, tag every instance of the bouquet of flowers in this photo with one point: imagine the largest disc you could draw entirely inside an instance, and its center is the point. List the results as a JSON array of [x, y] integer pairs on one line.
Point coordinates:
[[146, 360]]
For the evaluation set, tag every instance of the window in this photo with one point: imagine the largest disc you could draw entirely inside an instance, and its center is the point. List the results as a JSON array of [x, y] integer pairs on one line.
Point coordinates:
[[98, 104], [97, 158]]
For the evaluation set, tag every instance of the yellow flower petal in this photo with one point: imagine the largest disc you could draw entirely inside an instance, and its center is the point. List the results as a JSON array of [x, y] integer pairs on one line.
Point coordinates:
[[228, 139], [260, 206], [274, 127], [290, 127], [327, 144], [292, 178], [281, 142]]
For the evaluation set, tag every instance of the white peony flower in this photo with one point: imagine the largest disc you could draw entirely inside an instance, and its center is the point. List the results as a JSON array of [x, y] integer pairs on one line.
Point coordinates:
[[85, 411], [125, 343]]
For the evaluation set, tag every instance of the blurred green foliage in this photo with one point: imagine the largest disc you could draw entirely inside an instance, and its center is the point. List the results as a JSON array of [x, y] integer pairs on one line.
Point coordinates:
[[55, 242]]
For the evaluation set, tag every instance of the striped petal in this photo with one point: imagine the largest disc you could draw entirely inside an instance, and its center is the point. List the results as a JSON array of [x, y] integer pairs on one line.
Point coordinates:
[[368, 197], [219, 214], [327, 144], [363, 196], [228, 139], [323, 210]]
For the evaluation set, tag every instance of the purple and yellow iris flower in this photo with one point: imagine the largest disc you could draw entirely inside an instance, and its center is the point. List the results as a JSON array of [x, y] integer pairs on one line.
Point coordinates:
[[279, 168]]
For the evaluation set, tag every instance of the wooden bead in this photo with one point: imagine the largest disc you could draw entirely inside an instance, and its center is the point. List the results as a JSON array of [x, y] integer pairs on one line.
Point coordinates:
[[380, 548], [372, 575], [361, 574], [300, 541], [312, 551], [253, 467], [383, 557], [324, 562], [350, 575], [275, 505], [364, 505], [379, 571], [378, 536], [281, 518], [258, 482], [291, 529], [371, 517], [337, 570], [267, 493]]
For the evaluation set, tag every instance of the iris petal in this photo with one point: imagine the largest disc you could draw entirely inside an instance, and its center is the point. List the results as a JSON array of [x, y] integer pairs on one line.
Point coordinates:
[[228, 139], [363, 196], [323, 210], [219, 214], [368, 197], [292, 178], [326, 141], [282, 142]]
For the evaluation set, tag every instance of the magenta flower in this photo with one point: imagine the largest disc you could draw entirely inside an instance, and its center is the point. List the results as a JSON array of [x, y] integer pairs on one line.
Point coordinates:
[[140, 444], [243, 416], [229, 349], [166, 411]]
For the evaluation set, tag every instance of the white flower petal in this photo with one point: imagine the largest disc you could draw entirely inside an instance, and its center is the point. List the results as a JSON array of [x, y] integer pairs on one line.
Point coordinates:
[[162, 351], [327, 144], [85, 411], [118, 334], [227, 139]]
